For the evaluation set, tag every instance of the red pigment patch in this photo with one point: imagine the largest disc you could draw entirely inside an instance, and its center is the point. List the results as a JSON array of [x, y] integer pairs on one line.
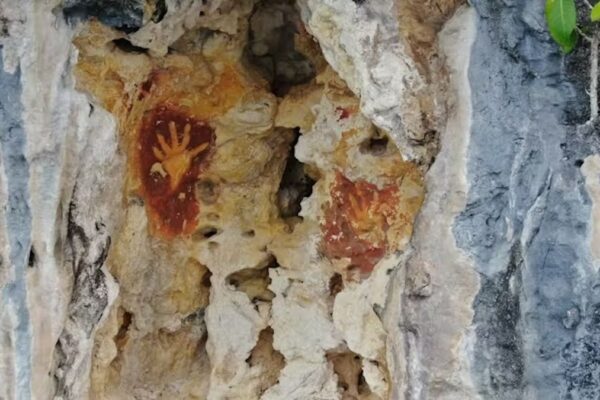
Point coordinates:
[[146, 86], [343, 113], [170, 197], [144, 89], [357, 220]]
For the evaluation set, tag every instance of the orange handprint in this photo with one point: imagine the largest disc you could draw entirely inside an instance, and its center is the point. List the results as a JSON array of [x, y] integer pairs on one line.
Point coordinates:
[[357, 221], [173, 149], [365, 215], [176, 158]]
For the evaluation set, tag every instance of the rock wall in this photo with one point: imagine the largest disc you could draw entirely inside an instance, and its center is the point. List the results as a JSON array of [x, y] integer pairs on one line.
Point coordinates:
[[312, 199], [528, 222]]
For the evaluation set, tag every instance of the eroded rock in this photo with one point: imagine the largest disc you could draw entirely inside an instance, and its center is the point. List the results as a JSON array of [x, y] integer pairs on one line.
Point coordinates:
[[294, 200], [223, 178]]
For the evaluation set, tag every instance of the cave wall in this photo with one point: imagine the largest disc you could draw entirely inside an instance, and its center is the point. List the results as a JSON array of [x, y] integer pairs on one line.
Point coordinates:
[[321, 199]]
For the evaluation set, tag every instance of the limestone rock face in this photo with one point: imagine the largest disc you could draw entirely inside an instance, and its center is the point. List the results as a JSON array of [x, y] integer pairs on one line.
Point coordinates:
[[311, 199]]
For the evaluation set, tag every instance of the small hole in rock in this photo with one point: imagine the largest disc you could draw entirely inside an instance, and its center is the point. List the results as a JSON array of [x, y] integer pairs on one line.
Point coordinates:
[[363, 387], [249, 234], [271, 46], [197, 317], [578, 163], [120, 338], [205, 232], [110, 13], [209, 232], [348, 368], [254, 281], [378, 310], [272, 262], [376, 146], [207, 191], [336, 284], [295, 185], [126, 46], [206, 279], [160, 9], [32, 258], [266, 357]]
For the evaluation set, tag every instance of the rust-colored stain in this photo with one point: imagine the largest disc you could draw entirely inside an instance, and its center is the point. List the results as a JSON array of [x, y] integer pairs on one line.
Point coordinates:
[[343, 113], [356, 221], [145, 87], [173, 149]]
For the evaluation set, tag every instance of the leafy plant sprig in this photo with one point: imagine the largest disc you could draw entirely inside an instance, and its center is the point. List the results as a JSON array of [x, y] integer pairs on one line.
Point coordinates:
[[561, 16]]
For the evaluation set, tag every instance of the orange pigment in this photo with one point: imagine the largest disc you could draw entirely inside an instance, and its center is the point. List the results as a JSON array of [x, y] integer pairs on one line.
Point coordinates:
[[356, 222], [172, 211]]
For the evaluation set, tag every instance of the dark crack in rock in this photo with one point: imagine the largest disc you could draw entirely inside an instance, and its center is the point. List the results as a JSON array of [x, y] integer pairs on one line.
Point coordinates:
[[499, 359], [126, 15], [295, 185], [271, 46], [87, 251]]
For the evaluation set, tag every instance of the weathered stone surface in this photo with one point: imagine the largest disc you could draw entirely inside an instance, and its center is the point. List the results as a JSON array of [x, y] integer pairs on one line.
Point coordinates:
[[527, 221], [122, 14], [207, 146], [312, 199], [362, 42], [16, 231], [435, 291]]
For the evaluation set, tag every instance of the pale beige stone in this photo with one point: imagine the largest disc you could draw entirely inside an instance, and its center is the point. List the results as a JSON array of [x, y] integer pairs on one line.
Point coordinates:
[[591, 171]]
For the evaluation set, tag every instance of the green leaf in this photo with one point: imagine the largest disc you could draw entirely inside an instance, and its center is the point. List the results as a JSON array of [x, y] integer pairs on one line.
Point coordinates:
[[561, 16], [595, 14]]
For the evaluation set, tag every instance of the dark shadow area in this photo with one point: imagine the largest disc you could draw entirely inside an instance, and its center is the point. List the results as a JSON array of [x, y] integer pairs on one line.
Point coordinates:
[[271, 48], [125, 15], [295, 185]]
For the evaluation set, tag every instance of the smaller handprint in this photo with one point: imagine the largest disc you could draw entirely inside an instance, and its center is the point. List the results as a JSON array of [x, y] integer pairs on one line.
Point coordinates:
[[365, 215], [175, 158]]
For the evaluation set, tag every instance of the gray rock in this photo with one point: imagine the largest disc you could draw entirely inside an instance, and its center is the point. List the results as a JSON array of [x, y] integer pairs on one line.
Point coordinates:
[[526, 224], [15, 331], [122, 14], [571, 318], [527, 216]]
